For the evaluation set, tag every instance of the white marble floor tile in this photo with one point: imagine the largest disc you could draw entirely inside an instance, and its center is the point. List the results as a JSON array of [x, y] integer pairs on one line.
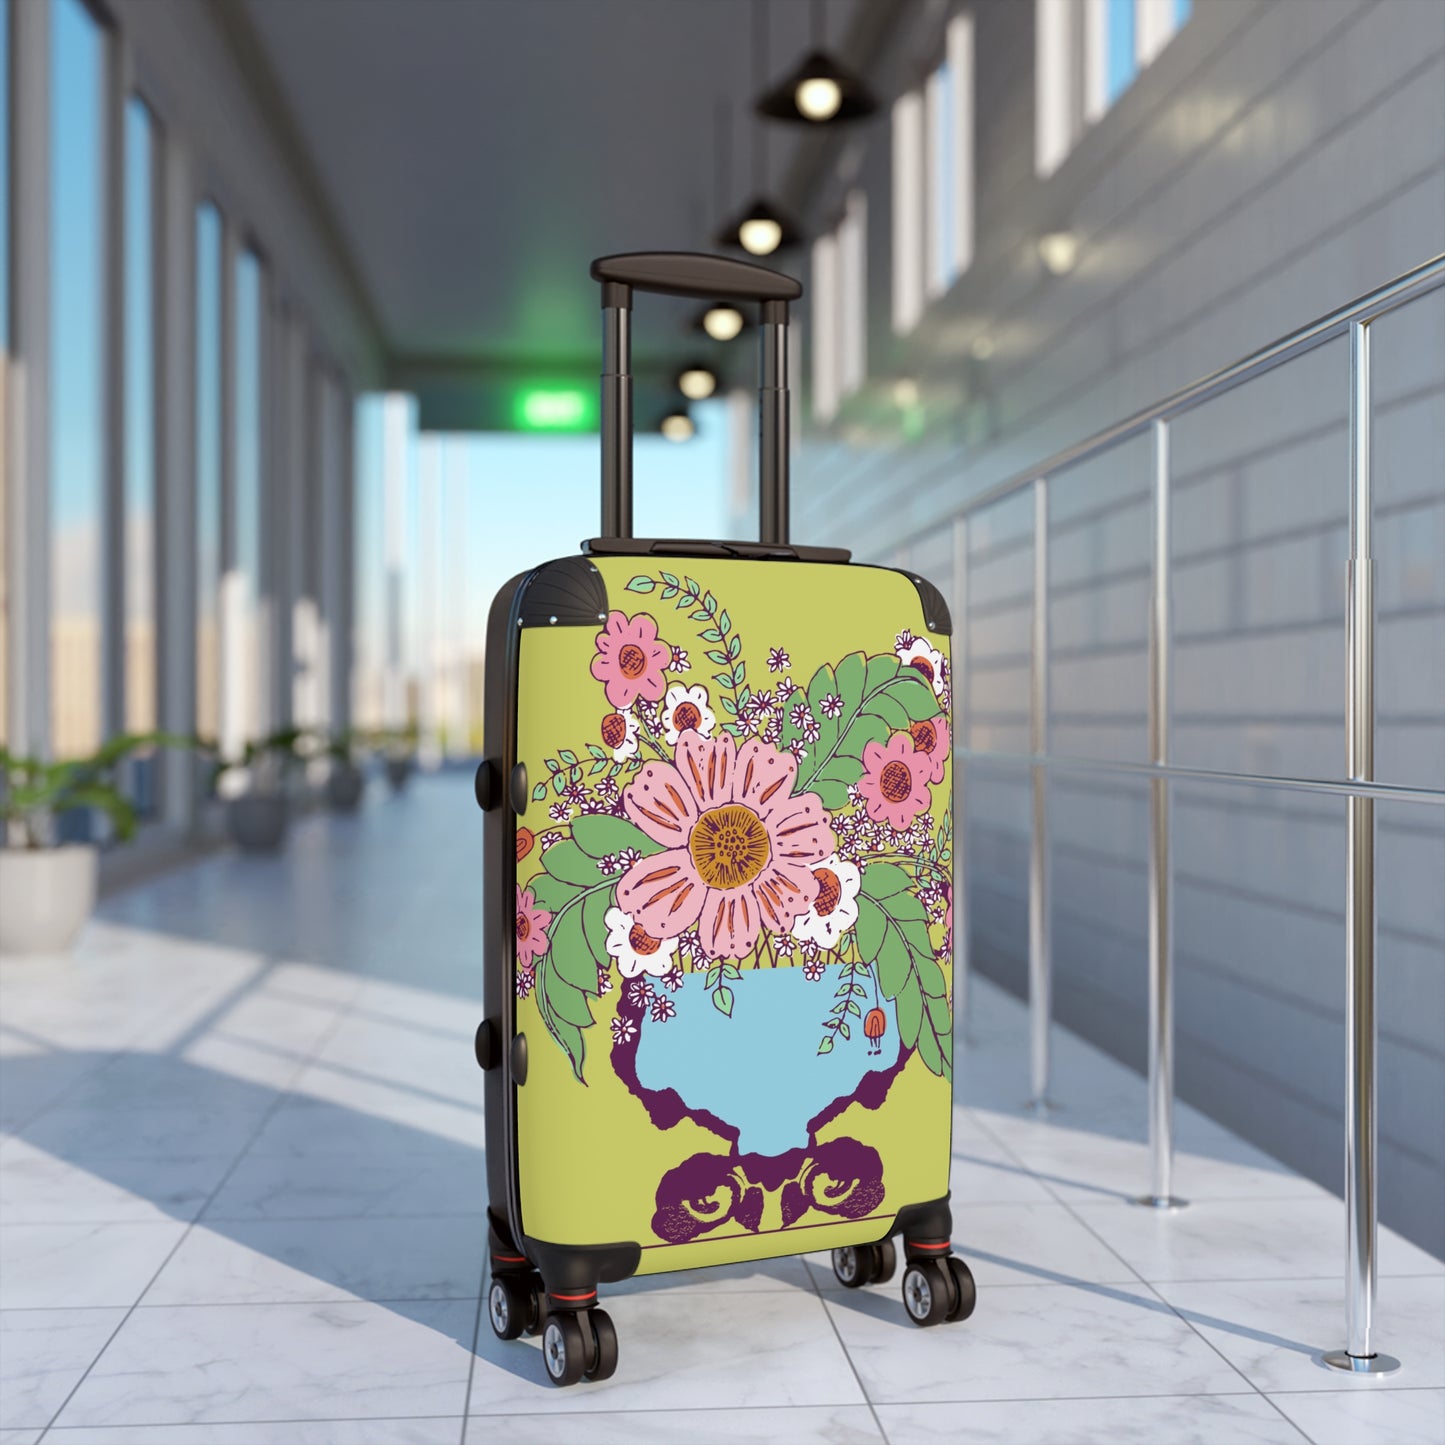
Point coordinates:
[[1243, 1239], [1372, 1417], [20, 1437], [448, 1180], [685, 1353], [38, 1188], [438, 1430], [1007, 1244], [69, 1266], [1029, 1342], [43, 1354], [407, 1056], [177, 1131], [797, 1425], [984, 1172], [1148, 1420], [295, 1260], [418, 1118], [34, 1078], [1274, 1331], [203, 1364]]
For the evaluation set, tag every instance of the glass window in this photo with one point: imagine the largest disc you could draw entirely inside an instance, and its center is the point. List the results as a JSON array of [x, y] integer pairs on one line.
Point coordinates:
[[244, 589], [4, 350], [908, 193], [77, 420], [208, 468], [1120, 59], [140, 452]]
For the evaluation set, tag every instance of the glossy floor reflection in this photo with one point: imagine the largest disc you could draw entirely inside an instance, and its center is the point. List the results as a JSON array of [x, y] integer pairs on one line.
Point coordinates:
[[241, 1198]]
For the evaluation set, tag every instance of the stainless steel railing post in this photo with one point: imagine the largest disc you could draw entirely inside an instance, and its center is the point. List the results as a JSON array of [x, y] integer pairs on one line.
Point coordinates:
[[1161, 876], [1041, 980], [959, 674], [1359, 1355]]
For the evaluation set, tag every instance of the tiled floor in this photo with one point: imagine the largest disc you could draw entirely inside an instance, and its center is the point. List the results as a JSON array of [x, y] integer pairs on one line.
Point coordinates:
[[241, 1199]]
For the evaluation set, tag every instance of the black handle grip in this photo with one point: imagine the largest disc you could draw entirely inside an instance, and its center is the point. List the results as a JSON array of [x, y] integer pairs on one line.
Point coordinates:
[[693, 273]]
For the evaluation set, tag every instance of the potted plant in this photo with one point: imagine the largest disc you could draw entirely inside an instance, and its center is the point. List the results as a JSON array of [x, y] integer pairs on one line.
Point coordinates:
[[345, 782], [47, 888], [400, 754], [255, 787]]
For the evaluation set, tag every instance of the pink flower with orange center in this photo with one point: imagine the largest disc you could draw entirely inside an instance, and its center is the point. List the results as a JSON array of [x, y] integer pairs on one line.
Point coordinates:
[[740, 847], [532, 941], [930, 738], [895, 781], [630, 660]]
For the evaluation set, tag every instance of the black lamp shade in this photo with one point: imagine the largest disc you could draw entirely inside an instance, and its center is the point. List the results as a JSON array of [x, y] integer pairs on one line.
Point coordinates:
[[855, 100]]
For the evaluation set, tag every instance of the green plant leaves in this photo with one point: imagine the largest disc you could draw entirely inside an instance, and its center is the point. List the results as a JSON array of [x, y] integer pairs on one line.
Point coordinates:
[[892, 932], [598, 834], [876, 697]]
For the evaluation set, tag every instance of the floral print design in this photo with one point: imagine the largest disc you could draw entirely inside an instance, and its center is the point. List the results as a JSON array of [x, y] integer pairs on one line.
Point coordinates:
[[740, 845], [630, 660], [895, 782], [710, 831]]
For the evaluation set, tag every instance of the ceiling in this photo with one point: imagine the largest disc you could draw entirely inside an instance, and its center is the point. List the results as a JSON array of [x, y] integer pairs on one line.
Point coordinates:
[[475, 155]]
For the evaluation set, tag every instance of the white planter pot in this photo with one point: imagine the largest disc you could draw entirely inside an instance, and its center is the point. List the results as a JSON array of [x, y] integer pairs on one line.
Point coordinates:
[[46, 894]]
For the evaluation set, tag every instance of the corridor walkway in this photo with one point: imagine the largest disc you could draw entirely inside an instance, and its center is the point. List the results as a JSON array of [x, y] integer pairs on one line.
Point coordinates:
[[241, 1195]]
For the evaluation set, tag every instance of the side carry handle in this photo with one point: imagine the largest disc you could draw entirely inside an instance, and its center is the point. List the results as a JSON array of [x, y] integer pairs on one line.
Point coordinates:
[[687, 273]]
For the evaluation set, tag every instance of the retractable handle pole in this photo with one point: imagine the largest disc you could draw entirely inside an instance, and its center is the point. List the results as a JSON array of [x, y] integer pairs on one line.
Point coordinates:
[[713, 278]]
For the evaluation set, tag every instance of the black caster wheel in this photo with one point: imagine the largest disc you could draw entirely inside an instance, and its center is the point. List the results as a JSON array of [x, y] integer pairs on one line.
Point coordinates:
[[965, 1291], [885, 1261], [509, 1306], [537, 1315], [927, 1292], [602, 1364], [853, 1266], [563, 1350]]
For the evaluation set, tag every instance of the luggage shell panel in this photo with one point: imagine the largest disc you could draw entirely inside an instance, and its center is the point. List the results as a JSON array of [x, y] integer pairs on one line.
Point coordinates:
[[732, 961]]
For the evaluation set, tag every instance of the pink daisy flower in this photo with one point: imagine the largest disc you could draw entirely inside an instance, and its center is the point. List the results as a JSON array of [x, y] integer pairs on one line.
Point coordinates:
[[740, 846], [895, 781], [930, 739], [531, 929], [630, 660]]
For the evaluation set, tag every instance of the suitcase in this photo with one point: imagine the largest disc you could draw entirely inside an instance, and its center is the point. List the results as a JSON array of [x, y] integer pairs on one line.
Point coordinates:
[[718, 901]]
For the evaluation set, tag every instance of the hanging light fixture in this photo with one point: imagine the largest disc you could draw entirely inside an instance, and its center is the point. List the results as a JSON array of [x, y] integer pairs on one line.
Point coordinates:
[[761, 228], [721, 321], [678, 426], [820, 91], [697, 381]]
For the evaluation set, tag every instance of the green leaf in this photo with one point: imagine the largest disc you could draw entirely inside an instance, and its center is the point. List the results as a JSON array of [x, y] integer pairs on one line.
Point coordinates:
[[930, 977], [916, 697], [931, 1052], [553, 766], [722, 999], [594, 924], [539, 792], [565, 860], [826, 1047], [723, 679], [716, 655], [551, 893], [569, 1003], [843, 1029], [567, 755], [724, 622], [740, 672], [559, 782], [893, 964], [881, 880], [850, 675], [890, 710], [910, 1013], [641, 584], [598, 834], [669, 579], [711, 634], [568, 1035], [871, 926], [735, 646], [881, 669], [729, 706], [939, 1014], [571, 955]]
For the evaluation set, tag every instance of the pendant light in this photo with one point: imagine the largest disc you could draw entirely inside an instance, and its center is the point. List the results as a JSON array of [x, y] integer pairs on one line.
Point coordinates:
[[697, 381], [762, 227], [820, 90]]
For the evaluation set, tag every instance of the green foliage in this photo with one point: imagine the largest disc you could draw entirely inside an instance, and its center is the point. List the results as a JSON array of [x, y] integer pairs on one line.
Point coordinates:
[[33, 791], [877, 697], [892, 930]]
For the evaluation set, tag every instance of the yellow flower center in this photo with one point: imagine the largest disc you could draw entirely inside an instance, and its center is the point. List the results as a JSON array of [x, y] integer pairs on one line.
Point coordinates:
[[729, 846]]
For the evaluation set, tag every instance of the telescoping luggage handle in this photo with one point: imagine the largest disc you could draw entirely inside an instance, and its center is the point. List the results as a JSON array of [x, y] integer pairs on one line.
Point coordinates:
[[712, 278]]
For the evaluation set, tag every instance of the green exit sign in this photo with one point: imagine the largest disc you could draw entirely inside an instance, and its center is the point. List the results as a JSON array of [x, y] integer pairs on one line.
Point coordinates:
[[554, 408]]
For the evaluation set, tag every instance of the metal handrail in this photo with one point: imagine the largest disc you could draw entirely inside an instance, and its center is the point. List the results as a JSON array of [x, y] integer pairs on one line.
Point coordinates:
[[1359, 788]]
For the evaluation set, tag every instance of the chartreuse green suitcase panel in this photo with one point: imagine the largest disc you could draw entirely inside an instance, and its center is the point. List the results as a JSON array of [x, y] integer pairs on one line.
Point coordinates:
[[734, 911]]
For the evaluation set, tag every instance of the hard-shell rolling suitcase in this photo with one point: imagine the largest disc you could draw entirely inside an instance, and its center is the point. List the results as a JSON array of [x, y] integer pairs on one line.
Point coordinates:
[[719, 897]]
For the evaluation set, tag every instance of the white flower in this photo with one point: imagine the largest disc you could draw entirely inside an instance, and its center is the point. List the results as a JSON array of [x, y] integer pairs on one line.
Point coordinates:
[[686, 708], [835, 909], [635, 951], [926, 660], [619, 732]]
